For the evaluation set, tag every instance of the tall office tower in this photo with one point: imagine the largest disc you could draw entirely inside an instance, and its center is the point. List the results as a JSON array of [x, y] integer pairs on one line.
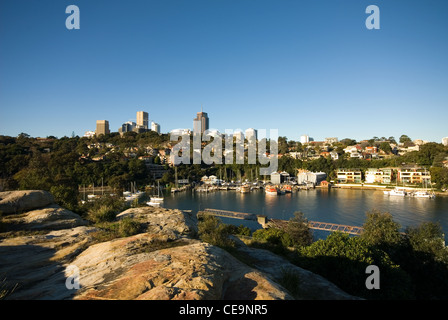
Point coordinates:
[[155, 127], [127, 127], [142, 119], [445, 141], [200, 123], [102, 127], [304, 139], [251, 132]]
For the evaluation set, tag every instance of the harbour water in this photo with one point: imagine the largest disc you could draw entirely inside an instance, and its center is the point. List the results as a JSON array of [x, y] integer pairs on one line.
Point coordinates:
[[341, 206]]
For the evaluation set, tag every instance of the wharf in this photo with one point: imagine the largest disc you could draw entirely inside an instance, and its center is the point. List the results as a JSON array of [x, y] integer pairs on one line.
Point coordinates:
[[281, 224]]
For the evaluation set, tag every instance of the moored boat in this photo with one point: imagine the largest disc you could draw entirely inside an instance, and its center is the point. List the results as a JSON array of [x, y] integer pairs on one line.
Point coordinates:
[[271, 190], [396, 192], [424, 194], [245, 188]]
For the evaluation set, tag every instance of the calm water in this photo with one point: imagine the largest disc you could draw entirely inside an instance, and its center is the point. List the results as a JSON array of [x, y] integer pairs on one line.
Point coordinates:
[[342, 206]]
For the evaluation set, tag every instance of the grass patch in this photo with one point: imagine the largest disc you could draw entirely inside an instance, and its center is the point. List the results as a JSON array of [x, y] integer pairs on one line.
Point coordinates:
[[118, 229], [291, 281]]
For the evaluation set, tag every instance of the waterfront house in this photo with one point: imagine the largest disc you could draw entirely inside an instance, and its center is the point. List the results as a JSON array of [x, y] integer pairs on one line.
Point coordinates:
[[382, 175], [412, 174], [349, 176]]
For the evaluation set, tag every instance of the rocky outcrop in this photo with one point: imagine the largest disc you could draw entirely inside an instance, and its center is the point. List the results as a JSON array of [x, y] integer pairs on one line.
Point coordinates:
[[190, 269], [47, 246], [21, 201], [33, 266], [309, 286], [170, 222], [51, 217]]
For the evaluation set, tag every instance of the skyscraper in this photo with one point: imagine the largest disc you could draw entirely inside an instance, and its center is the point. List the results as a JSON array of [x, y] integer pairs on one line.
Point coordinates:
[[102, 127], [142, 119], [251, 132], [155, 127], [200, 123], [445, 141]]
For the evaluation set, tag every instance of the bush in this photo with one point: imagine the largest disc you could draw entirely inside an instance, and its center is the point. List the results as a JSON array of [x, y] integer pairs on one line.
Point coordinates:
[[103, 213], [238, 230], [213, 231], [273, 236], [105, 209], [343, 260], [128, 227]]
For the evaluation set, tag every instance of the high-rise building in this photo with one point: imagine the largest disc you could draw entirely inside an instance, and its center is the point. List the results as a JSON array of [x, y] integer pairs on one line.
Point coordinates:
[[102, 127], [251, 132], [445, 141], [201, 122], [142, 119], [127, 127], [304, 139], [155, 127]]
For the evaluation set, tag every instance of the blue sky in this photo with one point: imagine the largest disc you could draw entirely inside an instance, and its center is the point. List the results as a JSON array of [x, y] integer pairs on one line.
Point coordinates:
[[302, 67]]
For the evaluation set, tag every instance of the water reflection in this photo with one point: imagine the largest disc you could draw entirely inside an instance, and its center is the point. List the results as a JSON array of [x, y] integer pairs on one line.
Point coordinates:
[[343, 206]]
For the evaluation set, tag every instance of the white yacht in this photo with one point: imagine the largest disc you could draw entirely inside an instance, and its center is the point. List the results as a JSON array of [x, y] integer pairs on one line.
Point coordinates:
[[424, 194], [156, 201], [396, 192]]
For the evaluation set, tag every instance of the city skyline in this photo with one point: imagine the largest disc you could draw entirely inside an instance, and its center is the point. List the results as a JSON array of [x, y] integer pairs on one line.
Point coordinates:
[[299, 67]]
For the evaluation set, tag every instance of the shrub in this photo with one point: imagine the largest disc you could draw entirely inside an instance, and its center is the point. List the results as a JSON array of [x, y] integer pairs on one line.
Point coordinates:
[[213, 231], [103, 213], [273, 236], [291, 281], [128, 227], [105, 209], [343, 260]]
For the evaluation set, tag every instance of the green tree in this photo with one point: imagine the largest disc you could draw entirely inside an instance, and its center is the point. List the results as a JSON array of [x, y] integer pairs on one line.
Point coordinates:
[[66, 196], [343, 260], [439, 175], [428, 238], [381, 230], [404, 138], [385, 146], [298, 230]]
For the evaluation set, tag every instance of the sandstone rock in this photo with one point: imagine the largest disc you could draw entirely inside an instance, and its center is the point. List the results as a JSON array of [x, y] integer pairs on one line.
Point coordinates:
[[193, 271], [29, 262], [170, 222], [21, 201], [164, 263], [310, 287], [52, 217]]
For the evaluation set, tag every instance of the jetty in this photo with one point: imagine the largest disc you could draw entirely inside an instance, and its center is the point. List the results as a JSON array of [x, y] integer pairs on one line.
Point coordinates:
[[281, 224]]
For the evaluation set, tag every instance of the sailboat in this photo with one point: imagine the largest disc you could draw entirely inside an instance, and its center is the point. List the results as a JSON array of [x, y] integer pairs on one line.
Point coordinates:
[[133, 194], [425, 193], [156, 201]]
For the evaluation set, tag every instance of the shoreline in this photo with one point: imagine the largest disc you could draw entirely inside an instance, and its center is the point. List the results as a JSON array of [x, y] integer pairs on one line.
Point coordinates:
[[375, 187]]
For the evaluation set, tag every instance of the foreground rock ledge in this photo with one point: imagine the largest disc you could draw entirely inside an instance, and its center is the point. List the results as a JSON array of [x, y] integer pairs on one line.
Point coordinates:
[[165, 263]]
